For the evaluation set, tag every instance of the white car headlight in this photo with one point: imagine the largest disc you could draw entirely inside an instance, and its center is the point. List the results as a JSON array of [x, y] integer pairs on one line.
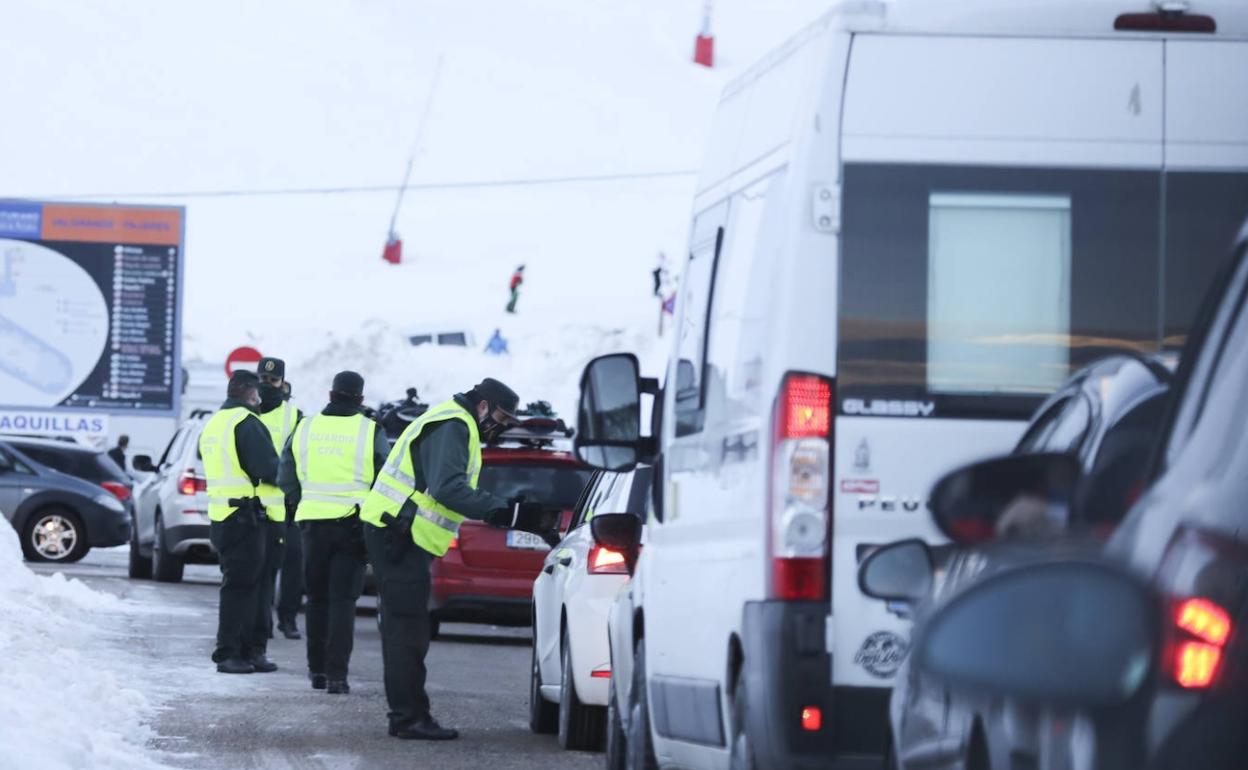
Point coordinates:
[[108, 501]]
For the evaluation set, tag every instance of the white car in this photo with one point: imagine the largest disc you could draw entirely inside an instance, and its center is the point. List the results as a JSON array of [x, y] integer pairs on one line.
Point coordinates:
[[571, 599], [171, 508], [913, 221]]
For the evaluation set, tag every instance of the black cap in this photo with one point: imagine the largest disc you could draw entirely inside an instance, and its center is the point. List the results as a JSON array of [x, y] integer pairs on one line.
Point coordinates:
[[498, 395], [270, 365], [241, 380], [348, 383]]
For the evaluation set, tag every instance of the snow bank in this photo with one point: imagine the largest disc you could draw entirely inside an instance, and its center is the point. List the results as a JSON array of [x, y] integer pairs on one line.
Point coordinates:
[[61, 705]]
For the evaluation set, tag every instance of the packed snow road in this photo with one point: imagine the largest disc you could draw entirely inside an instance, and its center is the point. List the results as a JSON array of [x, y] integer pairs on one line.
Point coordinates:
[[478, 680]]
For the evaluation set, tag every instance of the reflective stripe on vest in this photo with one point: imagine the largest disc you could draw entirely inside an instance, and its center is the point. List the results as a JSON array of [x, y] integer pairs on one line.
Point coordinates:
[[334, 464], [281, 423], [435, 525], [222, 468]]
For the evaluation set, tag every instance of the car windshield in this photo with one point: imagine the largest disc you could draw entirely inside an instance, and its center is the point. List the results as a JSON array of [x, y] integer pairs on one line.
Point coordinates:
[[556, 486], [88, 466]]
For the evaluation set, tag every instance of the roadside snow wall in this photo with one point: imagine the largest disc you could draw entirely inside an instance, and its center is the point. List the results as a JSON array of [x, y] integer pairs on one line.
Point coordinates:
[[62, 707]]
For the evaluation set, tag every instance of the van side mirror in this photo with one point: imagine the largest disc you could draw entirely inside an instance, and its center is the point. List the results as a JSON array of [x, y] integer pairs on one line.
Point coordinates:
[[1068, 634], [608, 434], [143, 463], [900, 571], [620, 532], [1025, 495]]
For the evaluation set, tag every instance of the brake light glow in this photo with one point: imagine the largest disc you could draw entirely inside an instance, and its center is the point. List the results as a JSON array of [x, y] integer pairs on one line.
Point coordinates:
[[1202, 629], [812, 719], [191, 484], [604, 561], [1204, 619], [1196, 664], [801, 472], [119, 490], [601, 673], [454, 543]]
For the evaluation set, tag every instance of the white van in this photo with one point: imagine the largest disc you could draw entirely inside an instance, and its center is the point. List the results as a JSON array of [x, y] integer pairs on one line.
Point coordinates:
[[915, 220]]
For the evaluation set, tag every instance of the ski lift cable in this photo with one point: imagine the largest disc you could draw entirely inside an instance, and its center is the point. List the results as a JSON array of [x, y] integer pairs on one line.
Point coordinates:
[[420, 136]]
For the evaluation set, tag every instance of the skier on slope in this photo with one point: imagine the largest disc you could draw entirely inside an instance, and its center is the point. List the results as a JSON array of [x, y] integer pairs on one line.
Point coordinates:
[[497, 345], [517, 278]]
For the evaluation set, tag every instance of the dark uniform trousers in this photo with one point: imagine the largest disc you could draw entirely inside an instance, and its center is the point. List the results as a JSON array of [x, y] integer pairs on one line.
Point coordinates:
[[334, 575], [240, 544], [404, 587], [274, 550], [290, 585]]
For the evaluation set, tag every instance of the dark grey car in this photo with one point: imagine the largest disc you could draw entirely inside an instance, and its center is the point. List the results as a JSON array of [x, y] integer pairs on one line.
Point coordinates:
[[1106, 416], [59, 517]]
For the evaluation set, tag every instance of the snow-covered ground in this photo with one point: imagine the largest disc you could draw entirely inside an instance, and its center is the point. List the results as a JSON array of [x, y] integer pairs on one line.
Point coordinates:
[[122, 100], [64, 704]]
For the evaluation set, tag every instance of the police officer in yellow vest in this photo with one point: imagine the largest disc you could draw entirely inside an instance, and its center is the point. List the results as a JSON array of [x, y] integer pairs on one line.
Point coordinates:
[[327, 468], [427, 486], [290, 580], [280, 417], [238, 457]]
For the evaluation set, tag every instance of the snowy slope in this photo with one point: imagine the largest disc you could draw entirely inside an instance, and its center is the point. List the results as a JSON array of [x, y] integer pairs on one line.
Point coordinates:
[[136, 97]]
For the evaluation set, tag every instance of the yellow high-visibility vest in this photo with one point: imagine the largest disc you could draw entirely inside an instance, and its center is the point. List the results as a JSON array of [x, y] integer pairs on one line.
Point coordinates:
[[435, 525], [281, 423], [222, 468], [334, 464]]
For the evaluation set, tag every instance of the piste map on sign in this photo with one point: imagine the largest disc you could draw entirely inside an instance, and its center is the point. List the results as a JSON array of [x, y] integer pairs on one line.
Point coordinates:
[[90, 306]]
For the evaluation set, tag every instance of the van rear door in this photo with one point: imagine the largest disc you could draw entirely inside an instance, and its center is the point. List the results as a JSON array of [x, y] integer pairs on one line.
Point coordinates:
[[1001, 210]]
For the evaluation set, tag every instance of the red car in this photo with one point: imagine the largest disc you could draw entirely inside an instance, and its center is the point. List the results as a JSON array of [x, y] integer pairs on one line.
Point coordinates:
[[487, 575]]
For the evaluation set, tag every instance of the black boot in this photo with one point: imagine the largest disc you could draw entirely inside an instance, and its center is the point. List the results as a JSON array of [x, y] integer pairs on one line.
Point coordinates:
[[426, 729], [339, 687], [235, 666], [262, 664], [289, 629]]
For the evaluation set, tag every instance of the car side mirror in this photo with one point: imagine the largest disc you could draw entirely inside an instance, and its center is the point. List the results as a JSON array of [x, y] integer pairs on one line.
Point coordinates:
[[143, 463], [1066, 634], [900, 571], [620, 532], [608, 434], [1025, 495]]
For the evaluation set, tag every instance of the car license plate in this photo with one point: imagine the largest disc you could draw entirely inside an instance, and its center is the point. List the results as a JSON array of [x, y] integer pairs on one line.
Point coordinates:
[[525, 540]]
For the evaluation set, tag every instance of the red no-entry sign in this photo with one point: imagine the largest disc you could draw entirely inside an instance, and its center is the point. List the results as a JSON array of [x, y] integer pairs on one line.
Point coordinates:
[[241, 358]]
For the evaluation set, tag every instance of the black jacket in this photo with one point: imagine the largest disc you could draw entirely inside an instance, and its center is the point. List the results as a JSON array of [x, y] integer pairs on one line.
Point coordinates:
[[440, 461], [287, 474], [254, 445]]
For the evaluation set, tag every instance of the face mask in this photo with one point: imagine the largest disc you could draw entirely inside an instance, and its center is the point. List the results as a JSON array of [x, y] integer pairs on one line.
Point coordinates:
[[270, 396], [489, 428]]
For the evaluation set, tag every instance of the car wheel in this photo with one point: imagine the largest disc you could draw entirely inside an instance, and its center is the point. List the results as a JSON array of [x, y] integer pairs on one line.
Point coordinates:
[[616, 740], [54, 534], [140, 565], [581, 727], [640, 748], [543, 715], [166, 566], [742, 753]]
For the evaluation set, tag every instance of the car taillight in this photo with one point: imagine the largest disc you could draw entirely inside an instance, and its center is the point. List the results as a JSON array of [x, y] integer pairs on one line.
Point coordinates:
[[1201, 629], [191, 484], [1204, 572], [800, 474], [604, 561], [454, 543], [119, 490]]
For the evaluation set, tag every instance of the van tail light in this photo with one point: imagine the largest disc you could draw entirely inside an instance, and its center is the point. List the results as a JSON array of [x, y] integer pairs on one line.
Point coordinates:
[[1198, 638], [119, 490], [1165, 21], [192, 484], [605, 561], [801, 472]]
